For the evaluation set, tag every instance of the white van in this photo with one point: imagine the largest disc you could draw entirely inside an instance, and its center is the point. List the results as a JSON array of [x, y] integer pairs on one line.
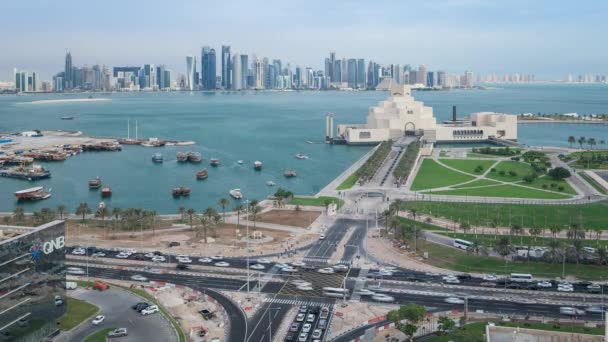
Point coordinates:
[[70, 285]]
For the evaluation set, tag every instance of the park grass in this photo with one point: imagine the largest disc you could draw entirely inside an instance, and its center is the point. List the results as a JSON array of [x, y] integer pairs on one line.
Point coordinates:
[[18, 331], [503, 190], [316, 201], [546, 180], [522, 169], [421, 225], [466, 165], [349, 182], [99, 335], [488, 238], [597, 186], [457, 260], [432, 175], [479, 155], [591, 215], [479, 182], [477, 330], [77, 312]]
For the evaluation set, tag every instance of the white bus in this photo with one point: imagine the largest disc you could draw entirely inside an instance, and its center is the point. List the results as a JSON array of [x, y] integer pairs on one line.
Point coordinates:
[[75, 270], [521, 277], [337, 292], [462, 244]]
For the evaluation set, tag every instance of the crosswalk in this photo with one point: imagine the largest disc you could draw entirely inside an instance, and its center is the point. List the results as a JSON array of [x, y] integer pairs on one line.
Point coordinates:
[[317, 260], [293, 301]]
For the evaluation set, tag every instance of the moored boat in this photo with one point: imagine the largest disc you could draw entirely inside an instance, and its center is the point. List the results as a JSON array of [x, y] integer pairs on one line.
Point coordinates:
[[301, 156], [32, 194], [95, 183], [67, 118], [270, 183], [202, 174], [181, 157], [236, 193], [214, 162], [106, 191], [157, 158], [194, 157], [257, 165], [240, 162], [35, 172], [180, 191], [289, 173]]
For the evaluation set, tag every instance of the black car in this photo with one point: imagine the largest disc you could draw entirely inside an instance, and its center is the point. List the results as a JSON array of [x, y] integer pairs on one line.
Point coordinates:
[[140, 306], [181, 266], [139, 257], [464, 277], [173, 244], [290, 337]]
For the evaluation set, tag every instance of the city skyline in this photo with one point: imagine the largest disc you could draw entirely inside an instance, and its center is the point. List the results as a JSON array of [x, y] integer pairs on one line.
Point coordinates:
[[452, 35]]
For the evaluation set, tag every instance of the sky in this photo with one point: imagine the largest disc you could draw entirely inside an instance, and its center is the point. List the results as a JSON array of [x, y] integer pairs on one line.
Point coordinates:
[[547, 38]]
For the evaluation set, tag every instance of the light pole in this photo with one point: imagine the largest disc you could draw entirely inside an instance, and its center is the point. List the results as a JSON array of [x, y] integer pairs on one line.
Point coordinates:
[[247, 242], [270, 323]]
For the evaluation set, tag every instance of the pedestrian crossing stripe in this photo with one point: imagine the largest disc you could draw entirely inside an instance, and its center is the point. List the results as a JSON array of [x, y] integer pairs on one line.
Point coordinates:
[[296, 302]]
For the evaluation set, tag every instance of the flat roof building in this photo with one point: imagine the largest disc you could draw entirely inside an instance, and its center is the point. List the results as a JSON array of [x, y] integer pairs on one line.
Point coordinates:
[[32, 275]]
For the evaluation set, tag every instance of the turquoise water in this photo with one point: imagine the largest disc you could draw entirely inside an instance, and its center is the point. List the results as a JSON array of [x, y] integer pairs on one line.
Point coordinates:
[[267, 126]]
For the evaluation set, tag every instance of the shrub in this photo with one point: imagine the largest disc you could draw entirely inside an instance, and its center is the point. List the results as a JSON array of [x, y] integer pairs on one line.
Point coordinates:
[[512, 173], [553, 185], [493, 169], [560, 188], [515, 158], [501, 172], [545, 186], [559, 173]]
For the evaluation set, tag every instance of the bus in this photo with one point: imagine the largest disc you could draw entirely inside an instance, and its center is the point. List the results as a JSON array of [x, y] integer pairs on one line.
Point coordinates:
[[462, 244], [337, 292], [521, 277]]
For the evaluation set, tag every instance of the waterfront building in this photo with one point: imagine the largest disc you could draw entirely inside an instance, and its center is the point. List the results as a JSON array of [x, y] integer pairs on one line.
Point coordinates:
[[336, 77], [352, 73], [413, 77], [190, 71], [258, 74], [68, 75], [208, 68], [226, 81], [421, 75], [236, 72], [33, 289], [58, 82], [401, 115], [361, 80], [441, 79], [467, 79], [430, 79]]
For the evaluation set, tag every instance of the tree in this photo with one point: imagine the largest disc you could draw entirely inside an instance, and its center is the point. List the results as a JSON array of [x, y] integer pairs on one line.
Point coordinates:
[[190, 213], [238, 209], [555, 230], [591, 142], [211, 215], [465, 227], [602, 255], [575, 231], [61, 210], [19, 214], [571, 140], [102, 212], [517, 230], [559, 173], [83, 210], [581, 141], [478, 247], [223, 203], [255, 210], [503, 247], [412, 312], [181, 211], [326, 203], [577, 249], [204, 220], [152, 216], [408, 329], [554, 249], [445, 324]]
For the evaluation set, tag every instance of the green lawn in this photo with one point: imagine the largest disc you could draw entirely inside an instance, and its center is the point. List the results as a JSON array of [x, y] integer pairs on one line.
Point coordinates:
[[522, 169], [592, 215], [420, 225], [593, 183], [18, 331], [468, 166], [455, 259], [77, 312], [349, 182], [432, 175], [315, 201], [524, 240], [479, 155], [548, 181], [480, 182], [473, 332], [503, 190], [99, 336]]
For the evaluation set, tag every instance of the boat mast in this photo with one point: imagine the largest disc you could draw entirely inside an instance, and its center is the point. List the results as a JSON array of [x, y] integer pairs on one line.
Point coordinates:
[[128, 129], [136, 130]]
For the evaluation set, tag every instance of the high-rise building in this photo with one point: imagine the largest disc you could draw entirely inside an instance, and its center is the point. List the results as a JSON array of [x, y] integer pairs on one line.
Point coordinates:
[[226, 67], [430, 79], [361, 80], [421, 75], [208, 69], [413, 76], [467, 79], [344, 71], [68, 76], [336, 77], [244, 71], [332, 62], [237, 77], [190, 71], [441, 79], [352, 73], [258, 74]]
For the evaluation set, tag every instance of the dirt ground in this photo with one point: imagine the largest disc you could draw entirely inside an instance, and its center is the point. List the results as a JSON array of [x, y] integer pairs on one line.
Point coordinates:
[[302, 218], [355, 315]]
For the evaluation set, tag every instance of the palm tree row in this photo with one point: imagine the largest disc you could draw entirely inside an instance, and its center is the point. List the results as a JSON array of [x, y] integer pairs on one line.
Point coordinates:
[[582, 141]]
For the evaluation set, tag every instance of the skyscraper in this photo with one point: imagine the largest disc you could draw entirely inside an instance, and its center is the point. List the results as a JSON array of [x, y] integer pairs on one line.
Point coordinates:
[[441, 80], [421, 74], [244, 71], [237, 77], [226, 67], [68, 76], [190, 71], [208, 70], [361, 81], [352, 73], [336, 77], [258, 74], [430, 79]]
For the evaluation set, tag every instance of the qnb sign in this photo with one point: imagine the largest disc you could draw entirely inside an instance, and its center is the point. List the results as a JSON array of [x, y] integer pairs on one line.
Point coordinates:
[[49, 247]]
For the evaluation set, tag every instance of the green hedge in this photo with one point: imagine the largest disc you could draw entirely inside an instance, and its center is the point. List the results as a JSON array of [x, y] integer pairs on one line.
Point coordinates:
[[406, 163]]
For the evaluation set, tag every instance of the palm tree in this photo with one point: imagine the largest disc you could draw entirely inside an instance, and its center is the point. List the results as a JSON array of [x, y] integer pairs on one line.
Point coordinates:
[[19, 214], [554, 249], [255, 210], [116, 212], [602, 142], [102, 212], [83, 210], [204, 225], [535, 231], [413, 212], [581, 141], [577, 249], [602, 255], [465, 227], [494, 224], [152, 216], [591, 143], [555, 230], [503, 247], [571, 140], [575, 231], [239, 209], [477, 247], [61, 211], [191, 212], [181, 211], [223, 203], [517, 230]]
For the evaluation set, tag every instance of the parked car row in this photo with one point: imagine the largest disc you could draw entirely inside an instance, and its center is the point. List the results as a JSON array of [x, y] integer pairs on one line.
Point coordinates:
[[309, 324]]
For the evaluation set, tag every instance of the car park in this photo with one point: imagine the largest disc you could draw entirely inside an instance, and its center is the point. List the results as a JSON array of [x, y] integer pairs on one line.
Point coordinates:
[[120, 332], [294, 327], [454, 300], [303, 337], [138, 277], [306, 327], [310, 318], [317, 333], [300, 317], [98, 319], [149, 310]]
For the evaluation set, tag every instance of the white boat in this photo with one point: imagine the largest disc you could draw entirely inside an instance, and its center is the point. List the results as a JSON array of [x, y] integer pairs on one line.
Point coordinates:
[[270, 183], [34, 194], [184, 143], [257, 165], [240, 162], [301, 156], [236, 193]]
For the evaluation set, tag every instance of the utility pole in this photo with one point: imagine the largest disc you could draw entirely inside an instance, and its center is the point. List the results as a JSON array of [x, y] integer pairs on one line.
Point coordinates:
[[466, 308], [247, 242]]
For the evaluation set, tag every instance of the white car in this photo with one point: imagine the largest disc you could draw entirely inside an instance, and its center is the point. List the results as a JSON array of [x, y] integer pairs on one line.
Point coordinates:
[[98, 319], [205, 260], [150, 255], [217, 257], [155, 271], [79, 251], [327, 270], [122, 255], [453, 280], [257, 267], [184, 260], [264, 261], [138, 277], [310, 318], [544, 284], [306, 327], [75, 270], [322, 237], [149, 310], [304, 287], [180, 256], [298, 263], [389, 269], [571, 311], [299, 282], [385, 273], [158, 258], [98, 254], [565, 288], [380, 297], [222, 264], [300, 317], [366, 292], [490, 277], [454, 300], [340, 267], [289, 269]]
